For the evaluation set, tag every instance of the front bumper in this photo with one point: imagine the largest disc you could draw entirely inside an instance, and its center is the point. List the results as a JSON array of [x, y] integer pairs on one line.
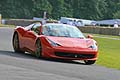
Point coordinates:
[[71, 53]]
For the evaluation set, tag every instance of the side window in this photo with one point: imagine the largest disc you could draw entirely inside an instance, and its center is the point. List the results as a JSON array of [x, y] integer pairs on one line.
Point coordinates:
[[36, 28], [45, 30]]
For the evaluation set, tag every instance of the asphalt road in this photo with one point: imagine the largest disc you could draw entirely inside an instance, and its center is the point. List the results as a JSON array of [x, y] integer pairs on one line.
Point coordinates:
[[16, 66]]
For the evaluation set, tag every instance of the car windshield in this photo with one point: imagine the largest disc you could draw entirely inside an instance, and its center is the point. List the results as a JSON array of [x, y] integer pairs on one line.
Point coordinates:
[[62, 30]]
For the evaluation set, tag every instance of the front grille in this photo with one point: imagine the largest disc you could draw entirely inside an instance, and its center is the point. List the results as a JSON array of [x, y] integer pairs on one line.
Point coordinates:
[[74, 55]]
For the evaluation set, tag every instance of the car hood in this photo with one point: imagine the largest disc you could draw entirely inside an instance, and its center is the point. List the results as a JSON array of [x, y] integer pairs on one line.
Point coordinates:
[[72, 42]]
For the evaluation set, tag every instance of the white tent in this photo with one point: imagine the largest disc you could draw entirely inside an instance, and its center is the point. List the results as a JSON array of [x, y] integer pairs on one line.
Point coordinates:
[[108, 22]]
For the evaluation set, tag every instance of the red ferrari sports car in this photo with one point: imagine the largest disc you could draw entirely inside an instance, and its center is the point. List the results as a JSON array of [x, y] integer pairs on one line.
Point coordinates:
[[54, 40]]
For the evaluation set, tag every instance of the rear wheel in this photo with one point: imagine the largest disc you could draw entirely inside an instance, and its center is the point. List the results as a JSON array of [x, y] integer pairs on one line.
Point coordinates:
[[89, 62], [38, 51], [15, 43]]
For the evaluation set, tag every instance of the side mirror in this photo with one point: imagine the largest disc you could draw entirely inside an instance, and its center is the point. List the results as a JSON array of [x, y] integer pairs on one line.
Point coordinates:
[[90, 36]]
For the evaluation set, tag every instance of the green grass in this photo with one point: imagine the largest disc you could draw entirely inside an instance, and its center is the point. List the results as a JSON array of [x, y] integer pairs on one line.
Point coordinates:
[[118, 37], [109, 52]]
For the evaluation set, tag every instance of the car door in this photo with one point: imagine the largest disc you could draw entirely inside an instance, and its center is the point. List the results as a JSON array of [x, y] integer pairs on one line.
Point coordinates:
[[31, 36]]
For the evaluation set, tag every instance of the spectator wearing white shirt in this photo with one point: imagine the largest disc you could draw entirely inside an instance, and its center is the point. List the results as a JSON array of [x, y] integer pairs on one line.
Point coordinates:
[[115, 25]]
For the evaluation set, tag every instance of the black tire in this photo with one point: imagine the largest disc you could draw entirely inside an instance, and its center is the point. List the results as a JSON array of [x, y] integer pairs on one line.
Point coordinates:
[[15, 42], [38, 51], [89, 62]]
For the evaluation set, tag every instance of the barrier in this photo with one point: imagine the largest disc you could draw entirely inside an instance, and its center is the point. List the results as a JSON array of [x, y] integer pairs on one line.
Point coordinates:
[[101, 30], [22, 22]]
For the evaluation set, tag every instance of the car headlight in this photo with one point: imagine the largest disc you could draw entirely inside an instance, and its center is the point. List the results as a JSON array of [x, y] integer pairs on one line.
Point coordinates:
[[53, 43], [94, 46]]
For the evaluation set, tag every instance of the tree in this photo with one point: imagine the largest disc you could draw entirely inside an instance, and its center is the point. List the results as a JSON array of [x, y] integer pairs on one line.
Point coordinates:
[[58, 8], [87, 9], [39, 6], [101, 8], [117, 13], [68, 8], [111, 8], [16, 9]]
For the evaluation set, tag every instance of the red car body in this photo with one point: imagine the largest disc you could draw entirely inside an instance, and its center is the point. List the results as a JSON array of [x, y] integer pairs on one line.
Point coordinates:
[[55, 47]]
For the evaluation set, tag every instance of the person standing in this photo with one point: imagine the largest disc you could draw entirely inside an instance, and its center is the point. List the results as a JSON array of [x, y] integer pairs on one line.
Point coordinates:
[[115, 25]]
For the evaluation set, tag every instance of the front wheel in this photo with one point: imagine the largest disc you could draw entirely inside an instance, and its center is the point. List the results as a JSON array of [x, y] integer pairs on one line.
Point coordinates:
[[38, 51], [89, 62]]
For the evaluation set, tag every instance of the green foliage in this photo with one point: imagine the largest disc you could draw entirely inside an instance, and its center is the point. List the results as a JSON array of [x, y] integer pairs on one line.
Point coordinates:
[[109, 50], [39, 6], [87, 9], [58, 6], [117, 14]]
